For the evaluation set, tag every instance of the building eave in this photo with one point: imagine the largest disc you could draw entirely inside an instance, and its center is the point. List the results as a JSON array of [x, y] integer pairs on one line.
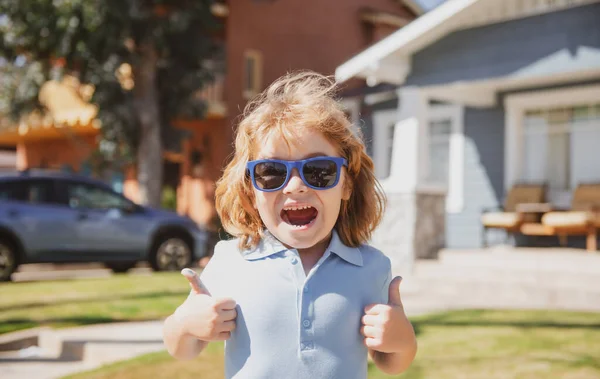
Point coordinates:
[[400, 44]]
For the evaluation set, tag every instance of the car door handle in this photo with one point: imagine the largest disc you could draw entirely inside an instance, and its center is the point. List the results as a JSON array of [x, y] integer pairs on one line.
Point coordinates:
[[13, 213], [82, 216]]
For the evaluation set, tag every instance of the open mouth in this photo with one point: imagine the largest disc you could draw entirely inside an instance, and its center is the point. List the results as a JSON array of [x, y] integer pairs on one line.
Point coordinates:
[[299, 216]]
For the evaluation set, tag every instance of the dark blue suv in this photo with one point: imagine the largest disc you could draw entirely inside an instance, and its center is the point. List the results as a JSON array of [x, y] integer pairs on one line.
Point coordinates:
[[50, 217]]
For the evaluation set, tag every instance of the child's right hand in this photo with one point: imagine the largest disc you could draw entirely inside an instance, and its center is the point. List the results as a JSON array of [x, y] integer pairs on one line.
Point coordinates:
[[203, 316]]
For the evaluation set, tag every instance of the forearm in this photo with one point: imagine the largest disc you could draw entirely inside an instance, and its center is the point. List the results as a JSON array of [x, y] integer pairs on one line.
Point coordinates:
[[178, 343], [396, 362]]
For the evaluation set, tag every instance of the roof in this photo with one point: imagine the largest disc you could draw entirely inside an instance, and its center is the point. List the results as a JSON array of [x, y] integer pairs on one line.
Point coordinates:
[[414, 36], [389, 60]]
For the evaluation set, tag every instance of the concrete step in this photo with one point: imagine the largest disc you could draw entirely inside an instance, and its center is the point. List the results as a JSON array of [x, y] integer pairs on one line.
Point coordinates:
[[525, 259], [441, 272]]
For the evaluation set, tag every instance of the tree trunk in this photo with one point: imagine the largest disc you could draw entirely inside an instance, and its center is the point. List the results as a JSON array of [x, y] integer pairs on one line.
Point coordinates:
[[149, 153]]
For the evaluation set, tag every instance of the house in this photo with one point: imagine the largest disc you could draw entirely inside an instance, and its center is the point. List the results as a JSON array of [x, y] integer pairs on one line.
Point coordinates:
[[8, 160], [263, 40], [474, 97]]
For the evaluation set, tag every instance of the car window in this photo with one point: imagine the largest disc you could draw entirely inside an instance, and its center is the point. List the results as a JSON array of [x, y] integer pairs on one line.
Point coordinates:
[[39, 192], [35, 191], [81, 195], [12, 190]]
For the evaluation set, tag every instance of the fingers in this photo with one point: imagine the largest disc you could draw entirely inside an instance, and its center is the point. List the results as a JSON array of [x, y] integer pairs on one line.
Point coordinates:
[[370, 320], [375, 309], [195, 281], [227, 315], [227, 326], [225, 304], [372, 343], [223, 336], [370, 331]]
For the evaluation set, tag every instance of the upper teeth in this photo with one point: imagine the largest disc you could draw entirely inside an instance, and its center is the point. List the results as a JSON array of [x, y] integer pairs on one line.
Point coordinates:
[[297, 208]]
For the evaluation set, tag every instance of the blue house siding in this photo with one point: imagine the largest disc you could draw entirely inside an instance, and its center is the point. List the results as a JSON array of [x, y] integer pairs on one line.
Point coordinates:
[[493, 51], [483, 175], [503, 48]]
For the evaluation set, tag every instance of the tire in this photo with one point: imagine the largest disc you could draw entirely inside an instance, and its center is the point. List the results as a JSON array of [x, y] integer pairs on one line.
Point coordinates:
[[8, 260], [120, 267], [171, 253]]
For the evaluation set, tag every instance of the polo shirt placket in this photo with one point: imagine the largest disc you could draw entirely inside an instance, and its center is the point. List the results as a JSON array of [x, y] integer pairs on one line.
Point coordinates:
[[305, 300]]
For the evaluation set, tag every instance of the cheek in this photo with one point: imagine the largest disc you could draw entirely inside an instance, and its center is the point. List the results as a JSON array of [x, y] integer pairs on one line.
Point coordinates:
[[264, 202]]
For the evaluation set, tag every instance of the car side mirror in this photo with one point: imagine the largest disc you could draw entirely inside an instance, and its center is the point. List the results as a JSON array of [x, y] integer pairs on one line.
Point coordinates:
[[131, 208]]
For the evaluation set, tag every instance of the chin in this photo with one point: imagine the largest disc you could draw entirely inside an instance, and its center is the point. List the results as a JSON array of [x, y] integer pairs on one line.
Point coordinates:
[[304, 237]]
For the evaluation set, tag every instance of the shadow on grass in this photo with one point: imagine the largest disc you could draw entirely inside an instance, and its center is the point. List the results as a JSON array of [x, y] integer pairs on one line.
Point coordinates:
[[15, 324], [39, 304], [585, 360], [470, 318]]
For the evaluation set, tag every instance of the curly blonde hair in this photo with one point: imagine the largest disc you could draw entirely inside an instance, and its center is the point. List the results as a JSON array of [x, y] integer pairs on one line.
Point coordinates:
[[295, 101]]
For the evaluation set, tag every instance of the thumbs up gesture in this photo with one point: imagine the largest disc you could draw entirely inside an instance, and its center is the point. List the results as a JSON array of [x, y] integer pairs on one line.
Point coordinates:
[[385, 326], [203, 316]]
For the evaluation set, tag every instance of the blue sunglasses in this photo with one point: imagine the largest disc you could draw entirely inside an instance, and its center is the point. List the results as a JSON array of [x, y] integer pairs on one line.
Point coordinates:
[[319, 173]]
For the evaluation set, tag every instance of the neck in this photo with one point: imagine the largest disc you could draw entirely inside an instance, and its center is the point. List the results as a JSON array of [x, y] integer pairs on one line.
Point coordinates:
[[311, 255]]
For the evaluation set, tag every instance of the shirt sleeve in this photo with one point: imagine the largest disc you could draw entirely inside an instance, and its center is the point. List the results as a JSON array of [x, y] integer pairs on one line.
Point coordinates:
[[386, 275]]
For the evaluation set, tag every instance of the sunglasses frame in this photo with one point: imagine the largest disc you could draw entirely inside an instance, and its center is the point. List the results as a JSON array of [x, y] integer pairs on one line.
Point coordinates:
[[299, 164]]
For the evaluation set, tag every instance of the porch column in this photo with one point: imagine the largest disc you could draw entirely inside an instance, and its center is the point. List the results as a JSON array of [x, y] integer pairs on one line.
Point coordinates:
[[412, 218]]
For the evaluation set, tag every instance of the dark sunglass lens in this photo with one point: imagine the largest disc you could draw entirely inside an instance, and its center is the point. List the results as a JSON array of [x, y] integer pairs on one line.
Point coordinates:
[[320, 173], [270, 175]]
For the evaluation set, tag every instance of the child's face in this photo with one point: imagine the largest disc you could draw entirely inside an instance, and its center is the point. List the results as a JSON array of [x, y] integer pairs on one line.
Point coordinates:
[[273, 207]]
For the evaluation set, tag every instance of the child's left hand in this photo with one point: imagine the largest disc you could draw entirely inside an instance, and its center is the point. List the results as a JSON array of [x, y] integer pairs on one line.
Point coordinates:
[[385, 326]]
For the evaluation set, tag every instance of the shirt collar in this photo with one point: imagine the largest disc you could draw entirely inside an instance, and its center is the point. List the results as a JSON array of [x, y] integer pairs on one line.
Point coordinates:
[[267, 246], [270, 245], [347, 253]]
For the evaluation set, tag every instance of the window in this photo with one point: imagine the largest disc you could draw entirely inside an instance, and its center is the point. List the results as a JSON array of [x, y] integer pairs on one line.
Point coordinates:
[[560, 146], [29, 191], [11, 191], [439, 151], [444, 153], [91, 197], [384, 126], [252, 73]]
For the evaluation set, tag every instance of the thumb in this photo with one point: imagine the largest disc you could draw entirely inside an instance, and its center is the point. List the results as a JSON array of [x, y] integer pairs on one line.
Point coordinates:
[[195, 281], [394, 294]]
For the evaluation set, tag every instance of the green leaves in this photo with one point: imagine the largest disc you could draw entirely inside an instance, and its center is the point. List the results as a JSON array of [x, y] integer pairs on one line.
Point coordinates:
[[41, 39]]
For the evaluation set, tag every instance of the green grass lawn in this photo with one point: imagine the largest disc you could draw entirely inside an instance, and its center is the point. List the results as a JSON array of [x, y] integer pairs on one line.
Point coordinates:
[[465, 344], [471, 344], [64, 303]]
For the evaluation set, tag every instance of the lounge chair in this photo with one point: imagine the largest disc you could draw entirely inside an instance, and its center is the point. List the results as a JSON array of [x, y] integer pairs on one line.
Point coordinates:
[[508, 217], [583, 218]]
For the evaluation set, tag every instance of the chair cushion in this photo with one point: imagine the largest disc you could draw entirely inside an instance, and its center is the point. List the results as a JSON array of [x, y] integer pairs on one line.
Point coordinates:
[[567, 219], [501, 219]]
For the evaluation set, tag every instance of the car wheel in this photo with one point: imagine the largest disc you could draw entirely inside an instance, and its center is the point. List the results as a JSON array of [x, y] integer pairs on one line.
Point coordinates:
[[120, 267], [8, 260], [172, 253]]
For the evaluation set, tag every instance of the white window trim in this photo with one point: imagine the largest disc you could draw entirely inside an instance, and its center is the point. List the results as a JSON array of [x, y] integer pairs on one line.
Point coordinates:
[[382, 121], [256, 55], [515, 107], [455, 189]]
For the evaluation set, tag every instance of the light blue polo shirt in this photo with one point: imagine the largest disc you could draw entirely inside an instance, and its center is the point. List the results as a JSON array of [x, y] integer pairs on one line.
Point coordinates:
[[291, 325]]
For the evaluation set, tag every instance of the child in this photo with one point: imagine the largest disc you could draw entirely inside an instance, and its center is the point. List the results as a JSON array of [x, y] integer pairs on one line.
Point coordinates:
[[298, 294]]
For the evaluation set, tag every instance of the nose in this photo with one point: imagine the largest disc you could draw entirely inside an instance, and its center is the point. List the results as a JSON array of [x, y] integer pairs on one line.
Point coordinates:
[[295, 184]]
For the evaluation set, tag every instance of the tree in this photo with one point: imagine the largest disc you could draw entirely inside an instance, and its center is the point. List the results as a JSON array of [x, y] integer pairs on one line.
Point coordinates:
[[146, 60]]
